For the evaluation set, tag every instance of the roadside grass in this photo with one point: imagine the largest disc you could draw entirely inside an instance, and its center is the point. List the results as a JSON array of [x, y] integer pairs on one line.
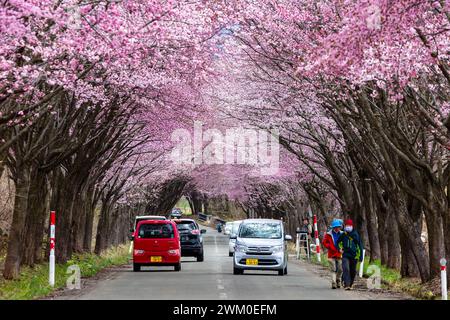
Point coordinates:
[[33, 282], [390, 278], [183, 204]]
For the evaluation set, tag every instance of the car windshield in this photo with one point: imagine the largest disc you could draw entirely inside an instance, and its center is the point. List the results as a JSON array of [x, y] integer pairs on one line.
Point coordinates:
[[235, 227], [149, 218], [160, 230], [186, 226], [267, 230]]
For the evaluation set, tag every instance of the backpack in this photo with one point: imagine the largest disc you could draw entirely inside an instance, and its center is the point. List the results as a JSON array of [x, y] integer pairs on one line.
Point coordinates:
[[351, 246]]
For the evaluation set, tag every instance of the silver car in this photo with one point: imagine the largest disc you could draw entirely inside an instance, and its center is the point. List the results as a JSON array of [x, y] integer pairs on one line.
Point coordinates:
[[232, 242], [261, 245], [227, 229]]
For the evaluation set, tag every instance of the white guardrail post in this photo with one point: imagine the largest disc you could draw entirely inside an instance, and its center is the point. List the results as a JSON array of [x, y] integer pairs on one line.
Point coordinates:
[[361, 265], [443, 262], [51, 278], [316, 235]]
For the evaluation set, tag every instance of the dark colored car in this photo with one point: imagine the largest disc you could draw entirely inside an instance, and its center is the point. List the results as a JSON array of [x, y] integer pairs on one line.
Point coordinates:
[[176, 213], [190, 238]]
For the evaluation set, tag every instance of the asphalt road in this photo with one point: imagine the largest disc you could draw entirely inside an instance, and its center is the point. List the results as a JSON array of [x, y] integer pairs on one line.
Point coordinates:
[[214, 279]]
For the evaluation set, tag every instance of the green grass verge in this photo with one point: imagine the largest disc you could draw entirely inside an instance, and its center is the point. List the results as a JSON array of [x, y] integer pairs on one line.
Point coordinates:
[[33, 282], [183, 204], [390, 278]]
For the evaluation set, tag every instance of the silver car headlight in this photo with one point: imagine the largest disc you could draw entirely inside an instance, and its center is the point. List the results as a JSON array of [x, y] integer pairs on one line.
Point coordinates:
[[240, 248], [277, 249]]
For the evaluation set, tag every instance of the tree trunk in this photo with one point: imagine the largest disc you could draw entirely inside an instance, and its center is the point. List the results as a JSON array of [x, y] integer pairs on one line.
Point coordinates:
[[372, 224], [205, 204], [89, 222], [102, 228], [436, 247], [393, 240], [35, 220], [14, 252], [409, 266], [411, 244], [361, 226], [447, 242], [79, 222], [62, 202]]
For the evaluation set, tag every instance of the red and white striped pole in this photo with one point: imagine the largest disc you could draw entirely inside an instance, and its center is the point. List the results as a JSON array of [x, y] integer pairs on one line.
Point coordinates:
[[444, 278], [316, 235], [52, 250]]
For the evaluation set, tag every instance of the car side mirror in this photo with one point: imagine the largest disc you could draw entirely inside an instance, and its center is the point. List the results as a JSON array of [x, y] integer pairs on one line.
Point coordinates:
[[131, 237], [288, 237], [233, 236], [203, 231]]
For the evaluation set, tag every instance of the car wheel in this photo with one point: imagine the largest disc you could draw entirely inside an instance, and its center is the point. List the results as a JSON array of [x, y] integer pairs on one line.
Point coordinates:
[[237, 271], [281, 272], [285, 270], [230, 254], [136, 267], [200, 258], [177, 267]]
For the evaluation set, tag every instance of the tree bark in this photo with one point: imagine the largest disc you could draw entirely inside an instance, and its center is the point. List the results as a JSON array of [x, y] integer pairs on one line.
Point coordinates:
[[35, 219], [89, 222], [413, 250], [79, 222], [372, 224], [101, 241], [14, 252], [436, 246], [393, 241], [62, 202]]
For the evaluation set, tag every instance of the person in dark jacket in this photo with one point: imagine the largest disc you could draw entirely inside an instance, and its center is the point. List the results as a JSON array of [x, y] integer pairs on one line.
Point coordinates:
[[351, 247], [334, 255]]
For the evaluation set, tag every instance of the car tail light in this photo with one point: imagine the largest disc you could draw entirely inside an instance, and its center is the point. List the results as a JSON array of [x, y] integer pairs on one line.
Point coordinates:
[[196, 232], [138, 252]]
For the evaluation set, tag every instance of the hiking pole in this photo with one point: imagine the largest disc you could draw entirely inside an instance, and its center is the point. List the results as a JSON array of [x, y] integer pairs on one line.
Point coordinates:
[[444, 278]]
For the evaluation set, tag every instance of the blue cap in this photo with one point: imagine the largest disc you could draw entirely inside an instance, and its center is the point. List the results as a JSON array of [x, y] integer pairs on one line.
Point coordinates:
[[336, 223]]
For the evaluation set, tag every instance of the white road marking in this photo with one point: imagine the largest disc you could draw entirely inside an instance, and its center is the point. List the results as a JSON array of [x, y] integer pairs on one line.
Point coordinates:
[[223, 296], [216, 248]]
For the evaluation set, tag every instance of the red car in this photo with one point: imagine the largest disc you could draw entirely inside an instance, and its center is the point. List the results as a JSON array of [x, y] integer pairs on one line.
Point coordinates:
[[156, 243]]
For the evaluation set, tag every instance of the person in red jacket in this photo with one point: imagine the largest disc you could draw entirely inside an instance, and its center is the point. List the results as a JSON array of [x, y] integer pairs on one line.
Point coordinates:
[[334, 254]]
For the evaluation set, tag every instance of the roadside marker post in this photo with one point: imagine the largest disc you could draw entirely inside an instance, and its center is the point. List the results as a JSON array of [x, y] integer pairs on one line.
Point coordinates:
[[316, 235], [52, 250], [361, 265], [443, 262], [297, 244]]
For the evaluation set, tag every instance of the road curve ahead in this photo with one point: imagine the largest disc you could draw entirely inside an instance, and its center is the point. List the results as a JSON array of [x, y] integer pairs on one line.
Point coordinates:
[[214, 279]]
